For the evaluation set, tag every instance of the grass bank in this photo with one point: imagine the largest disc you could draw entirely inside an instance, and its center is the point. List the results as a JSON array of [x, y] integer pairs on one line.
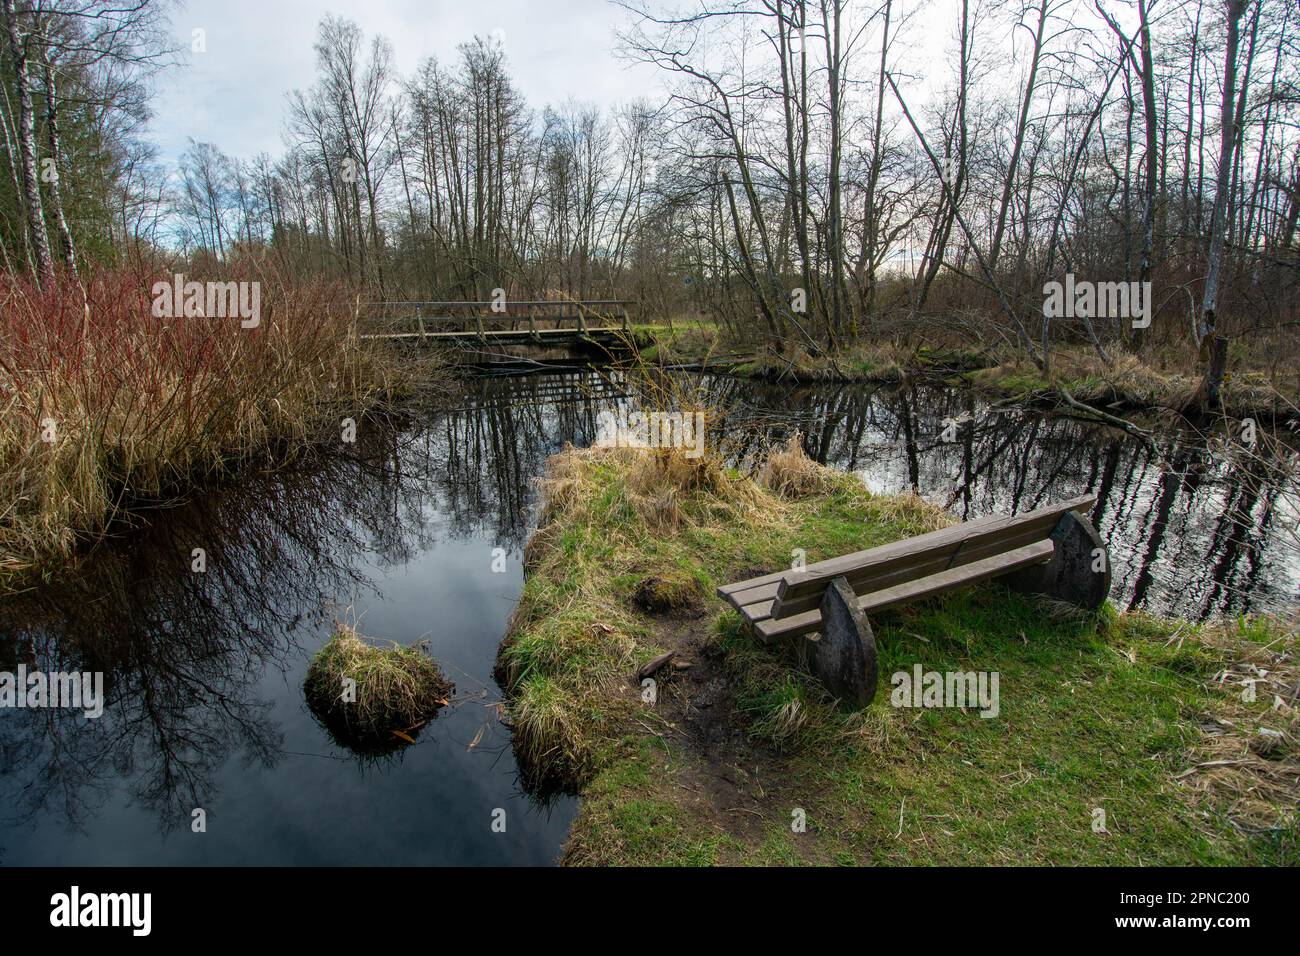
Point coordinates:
[[1127, 382], [104, 405], [1138, 717], [1161, 378], [696, 343]]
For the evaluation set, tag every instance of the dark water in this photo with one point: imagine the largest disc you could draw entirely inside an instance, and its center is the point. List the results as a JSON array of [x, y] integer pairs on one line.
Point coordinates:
[[204, 671], [1196, 526]]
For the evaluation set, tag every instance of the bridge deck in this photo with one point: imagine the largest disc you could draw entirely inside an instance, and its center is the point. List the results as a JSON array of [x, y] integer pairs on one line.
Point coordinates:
[[489, 335], [410, 321]]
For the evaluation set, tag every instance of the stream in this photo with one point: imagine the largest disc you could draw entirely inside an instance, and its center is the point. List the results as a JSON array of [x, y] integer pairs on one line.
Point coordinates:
[[400, 533]]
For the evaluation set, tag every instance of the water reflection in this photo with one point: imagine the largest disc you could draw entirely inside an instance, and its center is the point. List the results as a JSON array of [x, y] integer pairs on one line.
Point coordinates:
[[1196, 527], [179, 649], [204, 672]]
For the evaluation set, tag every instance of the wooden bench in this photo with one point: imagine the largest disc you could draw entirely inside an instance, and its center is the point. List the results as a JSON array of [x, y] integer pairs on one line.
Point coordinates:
[[1053, 550]]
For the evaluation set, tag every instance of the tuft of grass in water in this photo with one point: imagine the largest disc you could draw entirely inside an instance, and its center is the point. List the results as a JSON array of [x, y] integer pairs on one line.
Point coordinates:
[[397, 690], [1126, 713]]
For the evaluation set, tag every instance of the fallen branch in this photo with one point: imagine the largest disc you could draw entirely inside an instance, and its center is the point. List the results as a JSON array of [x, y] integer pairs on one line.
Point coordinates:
[[1109, 419]]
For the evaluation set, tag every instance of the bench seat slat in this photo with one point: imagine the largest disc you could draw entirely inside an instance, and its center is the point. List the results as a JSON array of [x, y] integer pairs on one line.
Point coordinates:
[[754, 595], [950, 537], [808, 621], [727, 591], [880, 578]]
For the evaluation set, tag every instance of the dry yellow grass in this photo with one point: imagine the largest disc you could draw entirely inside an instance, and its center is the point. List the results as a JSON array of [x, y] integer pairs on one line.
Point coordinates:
[[1248, 762], [1142, 382], [789, 472]]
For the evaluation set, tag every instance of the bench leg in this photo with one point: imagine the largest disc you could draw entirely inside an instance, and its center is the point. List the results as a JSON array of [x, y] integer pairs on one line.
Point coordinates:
[[1079, 571], [843, 659]]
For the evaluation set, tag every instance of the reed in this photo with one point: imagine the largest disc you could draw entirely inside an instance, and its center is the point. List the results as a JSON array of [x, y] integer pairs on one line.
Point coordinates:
[[103, 404]]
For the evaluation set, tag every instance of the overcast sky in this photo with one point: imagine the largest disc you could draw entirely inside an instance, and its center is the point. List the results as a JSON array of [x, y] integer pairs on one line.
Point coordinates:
[[233, 94]]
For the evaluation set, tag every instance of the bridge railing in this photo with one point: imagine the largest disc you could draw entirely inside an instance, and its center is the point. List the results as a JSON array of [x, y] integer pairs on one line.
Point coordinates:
[[480, 318]]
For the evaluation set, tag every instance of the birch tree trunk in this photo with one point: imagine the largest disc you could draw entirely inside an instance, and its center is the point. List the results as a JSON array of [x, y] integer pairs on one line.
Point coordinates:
[[27, 150], [66, 244], [1152, 157]]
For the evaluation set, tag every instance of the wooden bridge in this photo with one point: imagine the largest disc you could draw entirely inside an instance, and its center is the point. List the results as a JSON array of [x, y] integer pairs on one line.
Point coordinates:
[[460, 324]]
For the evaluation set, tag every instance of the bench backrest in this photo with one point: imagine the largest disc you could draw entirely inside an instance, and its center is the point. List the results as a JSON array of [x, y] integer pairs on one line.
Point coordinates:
[[903, 561]]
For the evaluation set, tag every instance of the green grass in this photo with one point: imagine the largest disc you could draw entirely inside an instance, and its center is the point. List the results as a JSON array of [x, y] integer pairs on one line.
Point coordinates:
[[1097, 711], [641, 829], [686, 341]]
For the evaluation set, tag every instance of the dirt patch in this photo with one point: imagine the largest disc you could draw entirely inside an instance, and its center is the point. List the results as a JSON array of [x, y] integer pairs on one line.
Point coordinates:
[[730, 783]]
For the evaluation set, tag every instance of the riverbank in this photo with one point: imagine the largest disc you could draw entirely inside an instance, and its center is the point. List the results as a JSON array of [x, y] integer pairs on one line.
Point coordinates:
[[1120, 738], [1121, 382], [109, 407]]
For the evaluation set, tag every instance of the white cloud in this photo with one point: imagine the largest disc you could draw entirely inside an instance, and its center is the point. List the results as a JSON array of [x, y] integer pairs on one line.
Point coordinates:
[[233, 94]]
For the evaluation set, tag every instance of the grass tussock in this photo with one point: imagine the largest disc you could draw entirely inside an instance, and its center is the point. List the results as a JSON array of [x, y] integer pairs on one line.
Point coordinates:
[[670, 591], [787, 471], [880, 362], [397, 690], [103, 404]]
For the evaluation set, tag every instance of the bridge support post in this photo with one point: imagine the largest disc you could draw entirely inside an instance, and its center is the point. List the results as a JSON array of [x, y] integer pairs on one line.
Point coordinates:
[[1079, 570], [419, 320], [532, 324], [843, 658]]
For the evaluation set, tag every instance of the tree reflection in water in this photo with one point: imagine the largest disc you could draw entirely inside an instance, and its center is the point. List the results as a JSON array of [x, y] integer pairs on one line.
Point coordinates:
[[1194, 532], [183, 652]]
